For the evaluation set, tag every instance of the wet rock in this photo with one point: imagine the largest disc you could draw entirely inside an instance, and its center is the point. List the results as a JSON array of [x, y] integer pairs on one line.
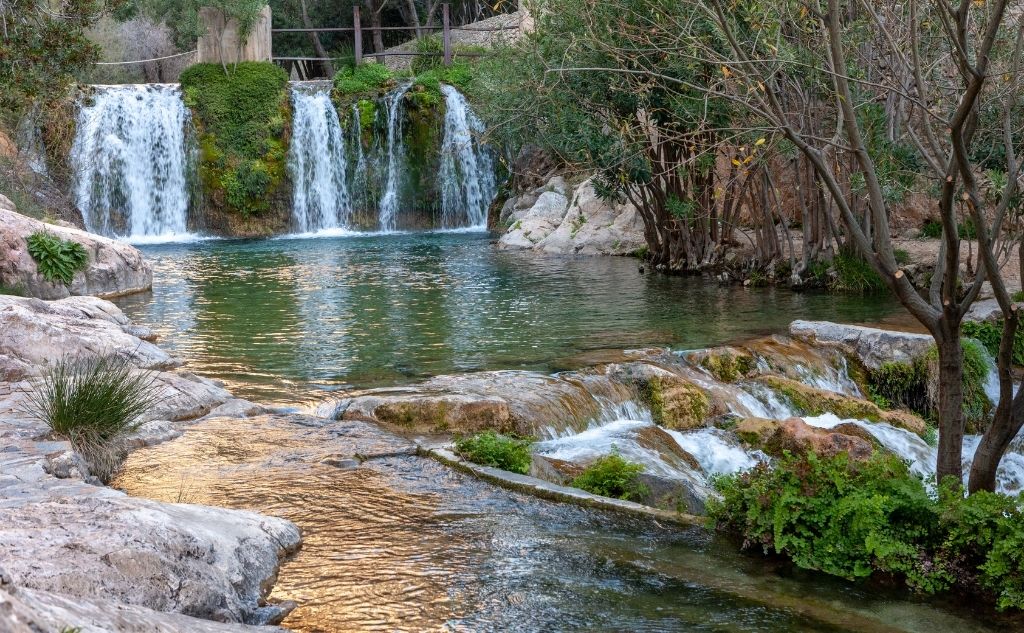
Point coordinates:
[[238, 408], [522, 402], [796, 437], [812, 401], [114, 268], [871, 346], [726, 364], [675, 401]]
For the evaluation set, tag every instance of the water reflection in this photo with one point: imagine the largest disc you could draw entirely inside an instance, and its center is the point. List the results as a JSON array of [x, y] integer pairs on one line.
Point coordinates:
[[369, 311], [403, 543]]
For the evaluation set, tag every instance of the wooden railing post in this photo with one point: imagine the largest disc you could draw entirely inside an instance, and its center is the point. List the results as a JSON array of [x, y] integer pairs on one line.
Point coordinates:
[[357, 44], [447, 34]]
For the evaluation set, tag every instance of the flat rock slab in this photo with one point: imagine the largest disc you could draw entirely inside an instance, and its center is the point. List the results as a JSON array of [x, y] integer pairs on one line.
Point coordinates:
[[82, 541], [871, 346], [114, 268]]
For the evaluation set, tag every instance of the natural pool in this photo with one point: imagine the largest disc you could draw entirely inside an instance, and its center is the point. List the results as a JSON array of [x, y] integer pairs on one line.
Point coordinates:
[[279, 320], [403, 543]]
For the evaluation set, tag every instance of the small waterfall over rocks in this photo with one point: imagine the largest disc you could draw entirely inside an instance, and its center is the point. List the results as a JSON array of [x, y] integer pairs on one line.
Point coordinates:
[[318, 164], [466, 178], [132, 155], [395, 157]]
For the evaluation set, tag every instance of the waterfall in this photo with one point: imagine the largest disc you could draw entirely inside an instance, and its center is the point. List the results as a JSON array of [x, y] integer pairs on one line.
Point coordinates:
[[466, 177], [131, 157], [360, 189], [395, 157], [317, 163]]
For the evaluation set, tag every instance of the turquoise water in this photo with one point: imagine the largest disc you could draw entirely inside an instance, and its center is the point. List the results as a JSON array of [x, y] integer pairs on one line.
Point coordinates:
[[281, 320]]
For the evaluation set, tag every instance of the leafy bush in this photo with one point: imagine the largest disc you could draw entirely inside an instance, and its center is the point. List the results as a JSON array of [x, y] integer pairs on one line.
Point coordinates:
[[853, 274], [93, 403], [57, 259], [989, 335], [933, 229], [857, 519], [613, 476], [368, 77], [243, 118], [1018, 296], [901, 255], [500, 451]]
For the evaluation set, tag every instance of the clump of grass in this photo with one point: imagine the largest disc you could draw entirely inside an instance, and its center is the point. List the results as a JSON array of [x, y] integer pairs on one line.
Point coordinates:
[[853, 274], [94, 403], [500, 451], [56, 259], [613, 476], [369, 77]]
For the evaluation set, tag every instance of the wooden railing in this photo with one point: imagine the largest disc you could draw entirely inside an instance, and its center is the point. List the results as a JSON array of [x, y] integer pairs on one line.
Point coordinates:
[[357, 36]]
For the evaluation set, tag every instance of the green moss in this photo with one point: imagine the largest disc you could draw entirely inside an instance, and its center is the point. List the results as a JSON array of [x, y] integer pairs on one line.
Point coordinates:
[[243, 118], [727, 366], [853, 274], [674, 403], [363, 79], [900, 385], [612, 476]]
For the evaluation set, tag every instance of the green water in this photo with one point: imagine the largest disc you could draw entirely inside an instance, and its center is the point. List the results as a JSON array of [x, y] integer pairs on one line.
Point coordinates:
[[282, 320]]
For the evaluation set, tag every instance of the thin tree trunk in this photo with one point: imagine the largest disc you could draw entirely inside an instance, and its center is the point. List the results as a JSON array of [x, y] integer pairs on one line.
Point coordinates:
[[317, 44]]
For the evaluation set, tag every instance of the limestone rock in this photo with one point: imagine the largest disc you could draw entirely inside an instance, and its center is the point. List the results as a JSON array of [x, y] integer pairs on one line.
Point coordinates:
[[95, 543], [796, 436], [675, 401], [575, 223], [871, 346], [114, 268]]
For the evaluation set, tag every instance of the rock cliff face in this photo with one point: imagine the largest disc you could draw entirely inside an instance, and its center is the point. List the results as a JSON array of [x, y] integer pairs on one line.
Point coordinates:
[[114, 268], [77, 554], [557, 219]]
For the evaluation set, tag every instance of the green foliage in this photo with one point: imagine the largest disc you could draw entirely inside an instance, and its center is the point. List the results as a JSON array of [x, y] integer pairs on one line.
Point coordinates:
[[57, 260], [93, 403], [432, 48], [612, 476], [853, 274], [932, 229], [243, 118], [500, 451], [902, 255], [1018, 296], [363, 79], [989, 335], [901, 385], [854, 520]]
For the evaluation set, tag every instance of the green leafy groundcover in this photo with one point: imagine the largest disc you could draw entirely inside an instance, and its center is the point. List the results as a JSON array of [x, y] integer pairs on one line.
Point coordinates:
[[56, 259], [243, 117], [500, 451], [858, 519], [613, 476]]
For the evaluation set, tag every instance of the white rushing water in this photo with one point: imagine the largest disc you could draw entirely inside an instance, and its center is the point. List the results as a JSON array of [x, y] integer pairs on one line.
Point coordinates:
[[466, 177], [318, 164], [395, 160], [132, 159]]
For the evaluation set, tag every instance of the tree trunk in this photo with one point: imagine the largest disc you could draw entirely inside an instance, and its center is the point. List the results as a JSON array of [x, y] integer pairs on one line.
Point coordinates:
[[318, 46], [414, 17], [950, 407], [374, 7]]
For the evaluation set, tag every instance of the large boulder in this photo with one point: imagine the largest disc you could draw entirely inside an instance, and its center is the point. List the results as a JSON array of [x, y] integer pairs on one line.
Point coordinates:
[[871, 346], [114, 268], [71, 538], [559, 222], [796, 437]]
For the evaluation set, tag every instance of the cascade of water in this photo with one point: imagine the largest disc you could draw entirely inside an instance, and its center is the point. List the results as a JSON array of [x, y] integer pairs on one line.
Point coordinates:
[[131, 157], [395, 157], [716, 452], [466, 177], [360, 191], [317, 163]]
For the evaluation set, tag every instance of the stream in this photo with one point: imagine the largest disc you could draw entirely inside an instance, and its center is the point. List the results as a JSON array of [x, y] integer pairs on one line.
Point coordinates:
[[393, 541]]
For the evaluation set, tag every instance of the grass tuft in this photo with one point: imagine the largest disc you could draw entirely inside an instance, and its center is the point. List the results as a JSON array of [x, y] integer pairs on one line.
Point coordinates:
[[500, 451], [612, 476], [94, 403]]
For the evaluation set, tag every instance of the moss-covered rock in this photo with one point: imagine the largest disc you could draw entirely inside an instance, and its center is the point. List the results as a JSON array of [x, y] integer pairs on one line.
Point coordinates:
[[675, 402], [727, 364], [812, 401], [243, 119]]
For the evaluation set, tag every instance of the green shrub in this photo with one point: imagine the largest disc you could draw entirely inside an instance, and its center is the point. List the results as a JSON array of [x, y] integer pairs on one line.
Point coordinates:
[[56, 259], [500, 451], [856, 519], [931, 229], [1018, 296], [432, 48], [93, 403], [612, 476], [902, 255], [853, 274], [243, 118], [989, 334], [364, 78]]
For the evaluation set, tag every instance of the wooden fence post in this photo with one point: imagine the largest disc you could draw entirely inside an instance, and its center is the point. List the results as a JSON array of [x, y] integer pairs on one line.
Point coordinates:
[[357, 35], [447, 34]]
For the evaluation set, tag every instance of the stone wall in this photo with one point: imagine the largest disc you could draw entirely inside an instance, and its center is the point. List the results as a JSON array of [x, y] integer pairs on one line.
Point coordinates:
[[221, 44]]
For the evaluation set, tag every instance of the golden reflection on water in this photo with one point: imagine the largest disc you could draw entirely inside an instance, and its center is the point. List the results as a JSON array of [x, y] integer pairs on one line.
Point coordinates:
[[373, 557]]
